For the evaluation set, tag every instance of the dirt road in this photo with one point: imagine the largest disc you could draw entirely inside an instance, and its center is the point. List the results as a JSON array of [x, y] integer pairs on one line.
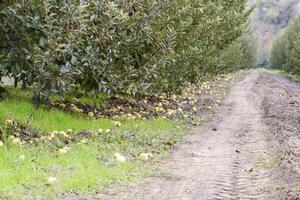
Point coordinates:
[[250, 150]]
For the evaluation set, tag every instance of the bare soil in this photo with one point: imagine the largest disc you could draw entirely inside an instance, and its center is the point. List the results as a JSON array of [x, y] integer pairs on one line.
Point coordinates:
[[249, 150]]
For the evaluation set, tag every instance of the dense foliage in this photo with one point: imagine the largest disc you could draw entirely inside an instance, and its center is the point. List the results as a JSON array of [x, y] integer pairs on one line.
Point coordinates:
[[133, 47], [239, 55], [286, 49]]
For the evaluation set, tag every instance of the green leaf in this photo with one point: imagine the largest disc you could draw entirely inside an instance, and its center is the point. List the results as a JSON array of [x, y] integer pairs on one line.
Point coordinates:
[[73, 60]]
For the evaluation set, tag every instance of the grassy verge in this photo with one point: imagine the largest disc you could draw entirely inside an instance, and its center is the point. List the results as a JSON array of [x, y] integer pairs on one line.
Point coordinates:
[[86, 98], [48, 120], [293, 77], [40, 171]]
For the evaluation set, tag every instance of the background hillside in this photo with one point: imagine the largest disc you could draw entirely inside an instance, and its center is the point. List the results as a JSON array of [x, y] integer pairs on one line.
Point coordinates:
[[268, 19]]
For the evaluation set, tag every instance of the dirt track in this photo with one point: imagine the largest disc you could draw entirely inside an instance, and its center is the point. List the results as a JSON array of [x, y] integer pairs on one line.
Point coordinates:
[[250, 150]]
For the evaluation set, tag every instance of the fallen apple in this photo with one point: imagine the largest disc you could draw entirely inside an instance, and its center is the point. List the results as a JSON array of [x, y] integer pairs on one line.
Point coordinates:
[[9, 122], [100, 131], [119, 157], [22, 157], [83, 141], [52, 180], [145, 156], [64, 150], [117, 124], [91, 114], [16, 141]]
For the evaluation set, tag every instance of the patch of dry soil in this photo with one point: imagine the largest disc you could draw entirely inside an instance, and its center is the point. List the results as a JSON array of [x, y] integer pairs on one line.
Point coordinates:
[[281, 106]]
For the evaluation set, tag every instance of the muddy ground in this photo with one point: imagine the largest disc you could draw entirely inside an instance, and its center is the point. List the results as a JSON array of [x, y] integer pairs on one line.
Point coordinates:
[[249, 150]]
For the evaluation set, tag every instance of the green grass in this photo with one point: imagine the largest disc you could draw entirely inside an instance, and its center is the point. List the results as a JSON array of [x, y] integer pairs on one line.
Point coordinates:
[[291, 76], [86, 167], [78, 170], [52, 120], [89, 98], [270, 163]]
